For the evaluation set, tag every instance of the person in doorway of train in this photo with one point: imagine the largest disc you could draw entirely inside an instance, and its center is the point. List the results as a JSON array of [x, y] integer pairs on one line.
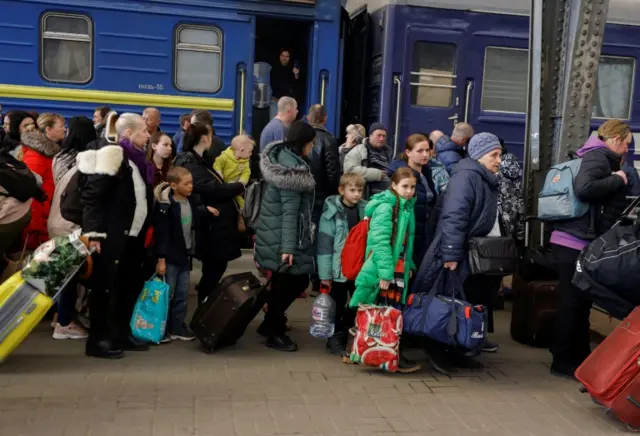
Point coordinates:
[[602, 184], [159, 155], [285, 233], [371, 160], [469, 209], [39, 147], [416, 156], [219, 242], [100, 119], [450, 150], [283, 80], [276, 129], [355, 135], [115, 209], [152, 119]]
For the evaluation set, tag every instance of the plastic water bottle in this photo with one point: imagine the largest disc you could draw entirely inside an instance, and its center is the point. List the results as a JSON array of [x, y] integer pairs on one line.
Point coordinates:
[[323, 315]]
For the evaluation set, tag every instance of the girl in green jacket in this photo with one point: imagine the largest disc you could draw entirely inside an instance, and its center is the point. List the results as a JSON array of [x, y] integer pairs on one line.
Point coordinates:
[[385, 275]]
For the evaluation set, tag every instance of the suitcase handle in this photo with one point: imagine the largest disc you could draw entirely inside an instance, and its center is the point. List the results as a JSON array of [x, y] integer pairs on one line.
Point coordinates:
[[634, 401]]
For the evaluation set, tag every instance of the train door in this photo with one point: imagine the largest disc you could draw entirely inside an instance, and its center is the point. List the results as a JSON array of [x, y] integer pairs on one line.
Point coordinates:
[[496, 87], [434, 82]]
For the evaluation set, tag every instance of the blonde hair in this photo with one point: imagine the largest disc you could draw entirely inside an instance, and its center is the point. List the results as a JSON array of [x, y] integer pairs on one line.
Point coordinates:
[[357, 129], [239, 140], [48, 120], [127, 120], [612, 128], [350, 179]]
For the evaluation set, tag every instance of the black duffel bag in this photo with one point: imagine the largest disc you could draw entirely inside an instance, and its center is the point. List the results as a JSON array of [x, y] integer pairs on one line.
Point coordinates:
[[608, 269], [493, 255]]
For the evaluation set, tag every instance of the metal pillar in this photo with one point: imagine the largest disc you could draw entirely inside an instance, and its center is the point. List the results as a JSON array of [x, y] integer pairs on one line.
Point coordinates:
[[565, 44]]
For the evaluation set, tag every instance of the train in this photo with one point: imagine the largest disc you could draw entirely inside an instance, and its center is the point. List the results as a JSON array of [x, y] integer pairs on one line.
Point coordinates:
[[414, 65]]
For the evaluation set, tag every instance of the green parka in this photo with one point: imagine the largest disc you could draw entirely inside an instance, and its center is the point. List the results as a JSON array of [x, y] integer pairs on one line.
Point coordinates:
[[284, 224], [382, 257], [332, 235]]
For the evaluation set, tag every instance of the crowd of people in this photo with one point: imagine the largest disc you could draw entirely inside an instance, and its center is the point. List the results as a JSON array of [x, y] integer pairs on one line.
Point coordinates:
[[151, 203]]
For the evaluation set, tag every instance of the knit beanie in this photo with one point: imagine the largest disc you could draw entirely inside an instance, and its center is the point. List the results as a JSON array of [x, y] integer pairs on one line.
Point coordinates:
[[300, 134], [376, 126], [481, 144]]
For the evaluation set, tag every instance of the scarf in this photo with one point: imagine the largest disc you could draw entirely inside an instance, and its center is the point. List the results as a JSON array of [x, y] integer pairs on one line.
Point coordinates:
[[138, 157], [378, 157]]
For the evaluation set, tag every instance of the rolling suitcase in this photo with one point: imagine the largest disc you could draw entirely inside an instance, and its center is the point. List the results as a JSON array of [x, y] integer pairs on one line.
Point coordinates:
[[534, 311], [611, 374], [224, 315]]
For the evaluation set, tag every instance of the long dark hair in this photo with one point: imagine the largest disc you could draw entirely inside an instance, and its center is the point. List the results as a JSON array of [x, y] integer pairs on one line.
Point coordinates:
[[299, 135], [194, 134], [399, 175], [81, 133]]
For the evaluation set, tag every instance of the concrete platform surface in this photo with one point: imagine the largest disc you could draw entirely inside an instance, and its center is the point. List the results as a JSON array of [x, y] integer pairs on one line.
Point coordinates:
[[49, 388]]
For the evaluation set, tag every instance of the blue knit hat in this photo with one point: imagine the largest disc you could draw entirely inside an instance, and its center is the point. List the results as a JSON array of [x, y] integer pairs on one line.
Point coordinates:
[[376, 126], [481, 144]]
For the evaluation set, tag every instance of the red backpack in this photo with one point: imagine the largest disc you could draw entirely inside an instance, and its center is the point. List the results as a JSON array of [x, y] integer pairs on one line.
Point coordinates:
[[355, 246]]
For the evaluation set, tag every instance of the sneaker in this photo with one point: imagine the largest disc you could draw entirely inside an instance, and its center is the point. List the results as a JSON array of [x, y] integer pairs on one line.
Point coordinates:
[[406, 366], [282, 343], [165, 339], [187, 335], [564, 371], [335, 344], [490, 347], [72, 331]]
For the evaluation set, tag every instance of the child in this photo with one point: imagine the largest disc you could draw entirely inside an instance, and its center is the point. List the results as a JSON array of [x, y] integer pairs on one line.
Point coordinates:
[[233, 163], [386, 272], [176, 223], [339, 215]]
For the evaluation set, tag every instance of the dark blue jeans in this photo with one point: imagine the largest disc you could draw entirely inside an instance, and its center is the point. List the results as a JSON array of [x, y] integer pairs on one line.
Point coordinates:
[[178, 280], [67, 303]]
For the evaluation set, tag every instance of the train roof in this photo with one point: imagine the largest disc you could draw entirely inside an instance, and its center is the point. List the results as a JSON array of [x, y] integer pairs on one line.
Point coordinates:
[[620, 11]]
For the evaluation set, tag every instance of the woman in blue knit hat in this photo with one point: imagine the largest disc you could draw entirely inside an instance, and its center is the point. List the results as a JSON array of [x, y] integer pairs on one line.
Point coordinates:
[[469, 209]]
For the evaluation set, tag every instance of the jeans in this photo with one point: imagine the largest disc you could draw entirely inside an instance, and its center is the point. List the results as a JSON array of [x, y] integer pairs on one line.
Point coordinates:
[[67, 303], [178, 280], [571, 345], [345, 316]]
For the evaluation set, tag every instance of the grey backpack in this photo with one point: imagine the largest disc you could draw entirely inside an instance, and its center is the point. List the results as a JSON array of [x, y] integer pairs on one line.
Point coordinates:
[[252, 201]]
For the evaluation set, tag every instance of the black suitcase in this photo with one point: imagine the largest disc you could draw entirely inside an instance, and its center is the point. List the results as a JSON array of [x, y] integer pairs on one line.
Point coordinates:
[[534, 311], [224, 315]]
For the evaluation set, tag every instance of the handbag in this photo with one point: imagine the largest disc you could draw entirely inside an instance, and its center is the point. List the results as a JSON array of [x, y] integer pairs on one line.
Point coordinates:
[[149, 320], [376, 337], [493, 255], [445, 318]]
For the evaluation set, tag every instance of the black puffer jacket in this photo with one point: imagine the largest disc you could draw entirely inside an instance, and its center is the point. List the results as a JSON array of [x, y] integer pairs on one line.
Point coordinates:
[[325, 165], [597, 185], [219, 234]]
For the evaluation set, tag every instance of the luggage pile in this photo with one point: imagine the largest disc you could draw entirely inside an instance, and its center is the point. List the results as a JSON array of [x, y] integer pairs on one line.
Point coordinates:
[[28, 295]]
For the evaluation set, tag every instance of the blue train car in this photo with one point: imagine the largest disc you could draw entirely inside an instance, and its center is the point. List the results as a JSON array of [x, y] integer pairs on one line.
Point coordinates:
[[430, 64], [70, 56]]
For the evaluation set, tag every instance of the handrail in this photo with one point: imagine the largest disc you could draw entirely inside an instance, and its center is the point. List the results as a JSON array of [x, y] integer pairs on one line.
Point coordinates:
[[467, 99], [243, 78], [323, 86], [398, 82]]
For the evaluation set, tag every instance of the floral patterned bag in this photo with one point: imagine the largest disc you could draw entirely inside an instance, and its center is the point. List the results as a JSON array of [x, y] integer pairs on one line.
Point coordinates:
[[376, 339]]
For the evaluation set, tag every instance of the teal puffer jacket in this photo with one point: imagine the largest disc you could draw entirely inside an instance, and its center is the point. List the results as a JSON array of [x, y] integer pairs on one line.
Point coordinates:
[[284, 224], [332, 235]]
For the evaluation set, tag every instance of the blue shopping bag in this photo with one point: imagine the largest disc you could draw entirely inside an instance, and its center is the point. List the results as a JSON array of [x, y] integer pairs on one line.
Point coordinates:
[[444, 317], [149, 320]]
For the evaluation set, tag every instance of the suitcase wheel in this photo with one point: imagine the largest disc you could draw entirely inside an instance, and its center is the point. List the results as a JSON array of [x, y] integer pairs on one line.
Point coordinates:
[[207, 346]]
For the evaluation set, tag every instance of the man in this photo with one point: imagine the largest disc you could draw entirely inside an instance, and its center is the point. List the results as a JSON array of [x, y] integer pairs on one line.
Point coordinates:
[[276, 129], [151, 117], [100, 119], [283, 79], [185, 122], [450, 151], [371, 160]]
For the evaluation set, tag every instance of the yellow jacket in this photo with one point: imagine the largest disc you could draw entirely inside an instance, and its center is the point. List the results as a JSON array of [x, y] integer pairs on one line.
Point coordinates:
[[233, 170]]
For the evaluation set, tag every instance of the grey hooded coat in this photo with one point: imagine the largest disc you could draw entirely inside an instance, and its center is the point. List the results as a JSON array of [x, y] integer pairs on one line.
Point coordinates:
[[284, 225]]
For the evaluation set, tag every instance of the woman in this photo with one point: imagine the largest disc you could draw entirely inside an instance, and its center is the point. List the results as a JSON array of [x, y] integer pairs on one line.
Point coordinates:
[[115, 203], [602, 184], [416, 156], [219, 242], [159, 154], [38, 149], [469, 209], [510, 200], [284, 233], [19, 122]]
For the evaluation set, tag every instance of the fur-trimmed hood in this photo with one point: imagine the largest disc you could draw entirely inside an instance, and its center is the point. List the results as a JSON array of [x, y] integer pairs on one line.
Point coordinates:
[[106, 160], [161, 193], [37, 141], [285, 170]]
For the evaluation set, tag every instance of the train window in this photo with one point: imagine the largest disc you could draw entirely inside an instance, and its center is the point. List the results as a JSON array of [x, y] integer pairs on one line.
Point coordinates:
[[198, 64], [433, 74], [505, 80], [66, 48], [614, 91]]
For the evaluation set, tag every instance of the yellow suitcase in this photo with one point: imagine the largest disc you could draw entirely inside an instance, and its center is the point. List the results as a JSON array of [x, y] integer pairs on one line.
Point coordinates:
[[22, 307]]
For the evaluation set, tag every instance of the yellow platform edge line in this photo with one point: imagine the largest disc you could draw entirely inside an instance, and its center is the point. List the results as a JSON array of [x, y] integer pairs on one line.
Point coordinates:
[[115, 98]]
